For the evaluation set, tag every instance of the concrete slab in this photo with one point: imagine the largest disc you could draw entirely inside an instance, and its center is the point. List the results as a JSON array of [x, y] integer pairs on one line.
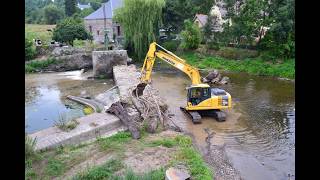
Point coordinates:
[[125, 78], [89, 128]]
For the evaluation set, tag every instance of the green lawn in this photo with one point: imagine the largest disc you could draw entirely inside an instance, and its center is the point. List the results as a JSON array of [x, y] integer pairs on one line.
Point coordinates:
[[33, 31], [257, 66]]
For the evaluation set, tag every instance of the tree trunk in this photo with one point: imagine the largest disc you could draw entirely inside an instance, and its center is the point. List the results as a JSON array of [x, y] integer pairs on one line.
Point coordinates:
[[122, 114]]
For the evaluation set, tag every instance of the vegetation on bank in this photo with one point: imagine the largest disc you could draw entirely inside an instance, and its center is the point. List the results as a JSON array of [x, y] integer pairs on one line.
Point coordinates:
[[55, 163], [257, 66], [37, 65]]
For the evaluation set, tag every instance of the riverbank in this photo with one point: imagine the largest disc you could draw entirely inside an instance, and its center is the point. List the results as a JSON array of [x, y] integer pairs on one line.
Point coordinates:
[[119, 155], [255, 66]]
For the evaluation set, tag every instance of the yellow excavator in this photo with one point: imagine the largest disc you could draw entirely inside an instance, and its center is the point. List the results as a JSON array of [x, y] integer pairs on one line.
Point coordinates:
[[201, 98]]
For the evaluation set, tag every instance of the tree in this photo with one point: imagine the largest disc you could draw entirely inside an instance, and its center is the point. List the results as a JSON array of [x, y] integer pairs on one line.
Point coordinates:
[[68, 30], [86, 12], [176, 12], [95, 5], [203, 6], [280, 39], [139, 19], [52, 14], [191, 35], [70, 7]]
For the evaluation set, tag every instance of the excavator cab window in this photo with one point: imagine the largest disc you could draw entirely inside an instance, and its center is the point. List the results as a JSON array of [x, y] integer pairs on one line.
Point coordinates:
[[197, 95]]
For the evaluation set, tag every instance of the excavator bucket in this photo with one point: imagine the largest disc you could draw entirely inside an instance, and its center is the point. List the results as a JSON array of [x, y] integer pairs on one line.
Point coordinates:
[[138, 91]]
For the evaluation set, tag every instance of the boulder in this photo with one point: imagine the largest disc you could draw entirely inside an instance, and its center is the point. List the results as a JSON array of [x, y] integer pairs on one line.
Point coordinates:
[[103, 61]]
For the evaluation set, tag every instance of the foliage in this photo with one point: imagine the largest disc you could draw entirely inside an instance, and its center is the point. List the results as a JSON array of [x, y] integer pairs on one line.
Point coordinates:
[[70, 7], [36, 31], [140, 20], [55, 167], [86, 12], [115, 141], [154, 174], [52, 14], [30, 144], [164, 142], [104, 171], [191, 36], [29, 50], [34, 65], [70, 29], [257, 66], [192, 158], [171, 45], [280, 39], [95, 5], [176, 12]]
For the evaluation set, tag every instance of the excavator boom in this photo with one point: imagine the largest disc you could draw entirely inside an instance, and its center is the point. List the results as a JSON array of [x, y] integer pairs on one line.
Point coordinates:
[[171, 59], [201, 97]]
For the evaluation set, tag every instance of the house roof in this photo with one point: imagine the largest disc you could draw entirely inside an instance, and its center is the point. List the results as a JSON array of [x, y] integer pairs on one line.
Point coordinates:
[[202, 18], [109, 8]]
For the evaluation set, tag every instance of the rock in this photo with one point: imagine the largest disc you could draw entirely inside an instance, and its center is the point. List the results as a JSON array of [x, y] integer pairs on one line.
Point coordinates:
[[103, 61], [74, 62], [224, 80], [63, 51], [177, 174]]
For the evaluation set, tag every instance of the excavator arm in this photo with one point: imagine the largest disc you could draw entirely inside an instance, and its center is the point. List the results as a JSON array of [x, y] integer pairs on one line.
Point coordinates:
[[155, 50]]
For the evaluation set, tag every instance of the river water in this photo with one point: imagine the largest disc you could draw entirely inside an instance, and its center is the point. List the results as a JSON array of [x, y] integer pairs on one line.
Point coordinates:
[[259, 132], [45, 97]]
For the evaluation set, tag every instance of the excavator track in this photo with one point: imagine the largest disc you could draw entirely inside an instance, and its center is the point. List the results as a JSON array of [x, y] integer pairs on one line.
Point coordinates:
[[195, 116], [219, 115]]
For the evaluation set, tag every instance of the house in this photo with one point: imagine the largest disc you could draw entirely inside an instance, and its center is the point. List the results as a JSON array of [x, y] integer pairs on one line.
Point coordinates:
[[200, 20], [101, 21], [83, 6]]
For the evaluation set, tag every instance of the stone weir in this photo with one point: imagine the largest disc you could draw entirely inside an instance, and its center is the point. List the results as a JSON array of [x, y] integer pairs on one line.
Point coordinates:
[[97, 124]]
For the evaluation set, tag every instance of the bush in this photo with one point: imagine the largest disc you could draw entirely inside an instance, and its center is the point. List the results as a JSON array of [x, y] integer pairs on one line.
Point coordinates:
[[213, 45], [171, 45], [69, 30], [29, 50], [191, 36]]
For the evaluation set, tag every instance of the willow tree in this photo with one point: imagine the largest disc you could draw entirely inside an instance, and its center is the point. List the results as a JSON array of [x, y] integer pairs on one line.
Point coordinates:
[[140, 21]]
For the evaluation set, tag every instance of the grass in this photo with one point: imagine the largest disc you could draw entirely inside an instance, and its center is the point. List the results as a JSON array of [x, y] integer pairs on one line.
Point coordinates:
[[151, 175], [55, 167], [188, 155], [104, 171], [34, 65], [65, 125], [192, 158], [56, 162], [256, 66], [114, 142], [33, 31]]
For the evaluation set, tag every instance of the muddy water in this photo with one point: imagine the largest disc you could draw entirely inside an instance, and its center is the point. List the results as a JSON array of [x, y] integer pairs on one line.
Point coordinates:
[[259, 133], [45, 97]]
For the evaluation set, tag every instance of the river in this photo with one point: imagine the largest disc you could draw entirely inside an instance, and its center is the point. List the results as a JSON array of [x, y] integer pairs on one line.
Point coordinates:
[[259, 132]]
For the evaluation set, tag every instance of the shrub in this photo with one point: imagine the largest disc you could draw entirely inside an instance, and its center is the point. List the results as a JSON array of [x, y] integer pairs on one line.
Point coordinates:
[[69, 30], [29, 49], [191, 36], [171, 45]]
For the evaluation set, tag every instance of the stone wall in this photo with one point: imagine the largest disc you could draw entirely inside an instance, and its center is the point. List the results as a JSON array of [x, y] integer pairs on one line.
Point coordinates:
[[98, 25], [103, 61]]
